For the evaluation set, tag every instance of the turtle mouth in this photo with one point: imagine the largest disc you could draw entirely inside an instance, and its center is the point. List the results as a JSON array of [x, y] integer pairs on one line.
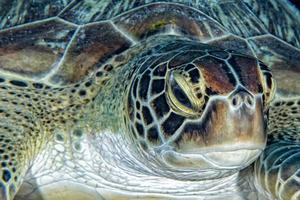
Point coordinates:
[[232, 159], [218, 159], [230, 135]]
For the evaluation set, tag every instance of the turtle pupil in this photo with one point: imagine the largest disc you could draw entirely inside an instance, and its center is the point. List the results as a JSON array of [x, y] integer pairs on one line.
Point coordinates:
[[181, 97]]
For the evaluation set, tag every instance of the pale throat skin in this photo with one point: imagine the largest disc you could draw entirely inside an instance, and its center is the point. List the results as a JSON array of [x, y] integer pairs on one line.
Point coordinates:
[[140, 100], [112, 157]]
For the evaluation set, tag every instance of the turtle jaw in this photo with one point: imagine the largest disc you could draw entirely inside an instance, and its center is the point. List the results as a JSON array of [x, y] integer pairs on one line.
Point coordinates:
[[230, 134], [216, 160]]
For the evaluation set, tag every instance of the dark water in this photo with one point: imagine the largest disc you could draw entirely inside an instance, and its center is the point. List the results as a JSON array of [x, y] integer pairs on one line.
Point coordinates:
[[296, 3]]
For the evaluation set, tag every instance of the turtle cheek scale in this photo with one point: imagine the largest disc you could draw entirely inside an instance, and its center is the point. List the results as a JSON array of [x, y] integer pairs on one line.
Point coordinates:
[[229, 135]]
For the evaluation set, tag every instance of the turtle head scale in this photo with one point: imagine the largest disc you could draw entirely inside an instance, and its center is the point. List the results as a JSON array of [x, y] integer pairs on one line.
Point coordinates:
[[199, 107]]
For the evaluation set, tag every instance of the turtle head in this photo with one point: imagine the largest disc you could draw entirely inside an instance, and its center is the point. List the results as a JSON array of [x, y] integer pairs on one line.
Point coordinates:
[[201, 108]]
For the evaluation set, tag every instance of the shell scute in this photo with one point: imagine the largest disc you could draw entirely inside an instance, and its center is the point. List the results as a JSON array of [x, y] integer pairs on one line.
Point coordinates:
[[233, 42], [276, 13], [92, 45], [283, 58], [236, 17], [33, 50], [152, 19], [15, 12], [82, 12]]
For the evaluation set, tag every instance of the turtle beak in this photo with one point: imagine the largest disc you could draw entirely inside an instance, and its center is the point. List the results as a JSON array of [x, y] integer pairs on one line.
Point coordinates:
[[236, 121], [231, 133]]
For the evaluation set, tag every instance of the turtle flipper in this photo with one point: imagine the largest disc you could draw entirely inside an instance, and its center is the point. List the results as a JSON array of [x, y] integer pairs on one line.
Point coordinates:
[[278, 169], [19, 138], [29, 113]]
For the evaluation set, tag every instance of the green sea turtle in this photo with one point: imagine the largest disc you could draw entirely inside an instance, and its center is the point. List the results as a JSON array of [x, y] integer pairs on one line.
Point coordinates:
[[149, 99]]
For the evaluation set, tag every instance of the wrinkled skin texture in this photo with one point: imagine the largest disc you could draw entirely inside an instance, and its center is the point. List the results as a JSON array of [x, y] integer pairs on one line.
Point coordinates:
[[144, 105]]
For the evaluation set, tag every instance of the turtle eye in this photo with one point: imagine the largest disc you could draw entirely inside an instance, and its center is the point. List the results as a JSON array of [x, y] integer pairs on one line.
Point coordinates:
[[269, 84], [270, 89], [180, 95]]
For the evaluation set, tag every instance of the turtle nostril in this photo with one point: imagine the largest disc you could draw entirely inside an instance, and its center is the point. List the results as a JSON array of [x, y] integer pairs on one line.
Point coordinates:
[[242, 97], [249, 101], [235, 100]]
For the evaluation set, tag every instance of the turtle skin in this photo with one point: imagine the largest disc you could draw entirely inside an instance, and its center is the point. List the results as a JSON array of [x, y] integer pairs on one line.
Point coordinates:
[[76, 73]]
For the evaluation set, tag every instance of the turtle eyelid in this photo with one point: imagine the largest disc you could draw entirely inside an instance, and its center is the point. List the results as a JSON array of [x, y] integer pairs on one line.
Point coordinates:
[[180, 95]]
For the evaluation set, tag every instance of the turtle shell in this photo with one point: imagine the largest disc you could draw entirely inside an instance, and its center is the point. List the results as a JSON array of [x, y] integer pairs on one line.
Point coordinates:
[[62, 41]]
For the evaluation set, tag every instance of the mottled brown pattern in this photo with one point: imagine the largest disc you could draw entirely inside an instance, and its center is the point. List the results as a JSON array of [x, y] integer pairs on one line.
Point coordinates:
[[33, 49], [93, 45], [247, 70], [215, 75], [233, 43], [26, 60], [185, 57], [152, 19]]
